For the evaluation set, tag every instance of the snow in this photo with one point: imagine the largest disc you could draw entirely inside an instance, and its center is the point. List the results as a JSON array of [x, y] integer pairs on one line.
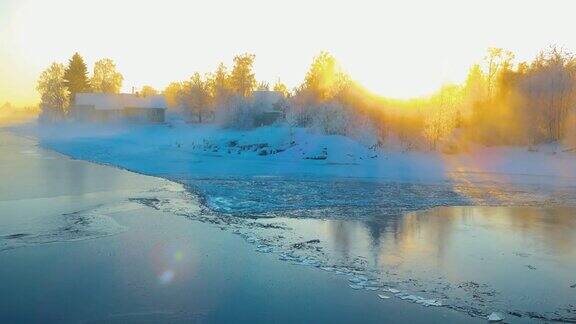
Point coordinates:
[[207, 150], [495, 317]]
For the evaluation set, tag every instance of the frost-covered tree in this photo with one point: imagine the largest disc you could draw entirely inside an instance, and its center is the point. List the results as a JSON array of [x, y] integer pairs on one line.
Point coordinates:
[[219, 86], [332, 119], [147, 91], [282, 88], [172, 94], [242, 78], [442, 115], [54, 95], [105, 78], [238, 113], [76, 76], [325, 79], [196, 97], [548, 90], [496, 61]]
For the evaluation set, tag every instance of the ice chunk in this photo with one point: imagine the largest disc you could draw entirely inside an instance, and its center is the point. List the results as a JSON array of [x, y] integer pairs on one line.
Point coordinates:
[[356, 279], [310, 262], [264, 249], [383, 296], [354, 286], [429, 302], [495, 317], [414, 298]]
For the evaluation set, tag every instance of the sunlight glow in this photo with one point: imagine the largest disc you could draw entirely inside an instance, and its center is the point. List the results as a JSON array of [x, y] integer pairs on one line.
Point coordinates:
[[398, 49]]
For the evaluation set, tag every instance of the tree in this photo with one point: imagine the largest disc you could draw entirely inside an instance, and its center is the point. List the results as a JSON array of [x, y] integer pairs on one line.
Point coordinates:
[[106, 79], [147, 91], [172, 94], [497, 60], [219, 86], [196, 96], [282, 88], [263, 86], [548, 89], [76, 76], [325, 79], [242, 78], [54, 94], [443, 114]]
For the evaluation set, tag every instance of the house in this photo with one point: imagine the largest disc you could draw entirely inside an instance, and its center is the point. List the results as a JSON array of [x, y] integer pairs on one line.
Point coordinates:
[[100, 107], [269, 105]]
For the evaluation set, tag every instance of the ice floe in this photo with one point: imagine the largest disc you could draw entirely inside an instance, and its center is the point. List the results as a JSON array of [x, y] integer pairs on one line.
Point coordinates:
[[495, 317]]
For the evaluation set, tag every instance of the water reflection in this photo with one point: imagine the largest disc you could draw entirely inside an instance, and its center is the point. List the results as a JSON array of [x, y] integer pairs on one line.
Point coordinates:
[[521, 258]]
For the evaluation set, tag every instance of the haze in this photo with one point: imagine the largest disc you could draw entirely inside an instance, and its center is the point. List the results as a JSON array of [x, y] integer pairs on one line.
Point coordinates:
[[397, 49]]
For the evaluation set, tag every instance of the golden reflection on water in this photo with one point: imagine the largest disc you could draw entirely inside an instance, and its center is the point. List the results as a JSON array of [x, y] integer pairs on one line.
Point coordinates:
[[432, 236], [474, 177]]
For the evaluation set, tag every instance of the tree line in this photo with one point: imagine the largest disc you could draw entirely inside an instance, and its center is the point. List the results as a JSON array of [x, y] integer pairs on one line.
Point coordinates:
[[59, 84], [500, 103]]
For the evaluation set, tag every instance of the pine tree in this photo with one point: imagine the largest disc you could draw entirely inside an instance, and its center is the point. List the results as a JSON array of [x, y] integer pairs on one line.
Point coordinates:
[[76, 76]]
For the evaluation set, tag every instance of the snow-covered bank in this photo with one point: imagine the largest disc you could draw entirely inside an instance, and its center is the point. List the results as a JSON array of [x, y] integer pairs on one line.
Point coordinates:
[[296, 170], [210, 151]]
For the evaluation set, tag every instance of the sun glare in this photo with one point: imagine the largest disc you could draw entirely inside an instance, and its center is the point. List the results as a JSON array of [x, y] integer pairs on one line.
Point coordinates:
[[389, 47]]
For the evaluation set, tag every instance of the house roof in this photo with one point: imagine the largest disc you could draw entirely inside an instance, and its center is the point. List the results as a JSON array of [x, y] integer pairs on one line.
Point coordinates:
[[112, 101]]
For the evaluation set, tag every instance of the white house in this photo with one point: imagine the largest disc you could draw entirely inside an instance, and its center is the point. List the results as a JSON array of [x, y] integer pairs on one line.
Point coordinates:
[[93, 107]]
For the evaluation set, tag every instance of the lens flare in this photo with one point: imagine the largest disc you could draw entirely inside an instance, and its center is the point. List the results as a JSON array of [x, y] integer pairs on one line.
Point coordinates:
[[166, 277]]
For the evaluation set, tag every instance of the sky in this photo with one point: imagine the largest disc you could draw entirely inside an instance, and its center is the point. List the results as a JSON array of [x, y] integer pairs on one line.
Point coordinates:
[[398, 49]]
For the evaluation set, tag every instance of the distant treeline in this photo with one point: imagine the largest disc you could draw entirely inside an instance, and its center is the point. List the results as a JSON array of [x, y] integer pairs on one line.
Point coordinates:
[[502, 102]]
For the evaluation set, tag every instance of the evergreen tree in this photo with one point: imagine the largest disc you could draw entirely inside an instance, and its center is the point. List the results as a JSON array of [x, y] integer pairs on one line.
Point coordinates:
[[76, 76]]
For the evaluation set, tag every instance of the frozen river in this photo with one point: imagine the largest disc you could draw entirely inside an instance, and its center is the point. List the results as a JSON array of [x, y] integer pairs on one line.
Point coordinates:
[[477, 248], [507, 250], [78, 243]]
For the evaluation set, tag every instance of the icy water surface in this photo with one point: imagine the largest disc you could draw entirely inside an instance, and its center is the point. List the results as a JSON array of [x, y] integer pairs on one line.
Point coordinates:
[[46, 198], [519, 261], [349, 198], [510, 250], [507, 249], [138, 258]]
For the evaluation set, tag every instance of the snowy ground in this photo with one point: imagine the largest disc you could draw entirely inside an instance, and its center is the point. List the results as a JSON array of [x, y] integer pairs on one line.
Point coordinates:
[[290, 176], [285, 151]]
